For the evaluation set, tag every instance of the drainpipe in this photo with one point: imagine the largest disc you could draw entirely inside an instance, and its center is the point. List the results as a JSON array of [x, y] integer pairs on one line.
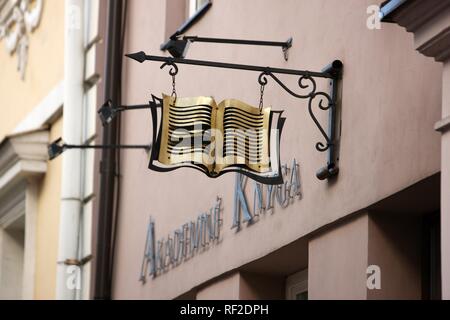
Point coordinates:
[[108, 164], [71, 197]]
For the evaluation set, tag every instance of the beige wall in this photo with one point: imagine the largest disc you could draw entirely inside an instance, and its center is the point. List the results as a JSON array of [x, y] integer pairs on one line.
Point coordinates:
[[45, 68], [389, 106], [338, 261], [47, 225], [17, 99], [226, 288], [395, 246], [261, 287], [243, 286], [339, 258]]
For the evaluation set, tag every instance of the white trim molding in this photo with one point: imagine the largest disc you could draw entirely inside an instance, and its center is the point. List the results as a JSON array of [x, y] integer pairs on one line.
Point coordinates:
[[23, 160], [429, 21]]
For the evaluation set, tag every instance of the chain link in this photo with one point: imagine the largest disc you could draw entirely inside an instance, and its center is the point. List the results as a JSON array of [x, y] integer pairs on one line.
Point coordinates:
[[174, 89], [261, 100]]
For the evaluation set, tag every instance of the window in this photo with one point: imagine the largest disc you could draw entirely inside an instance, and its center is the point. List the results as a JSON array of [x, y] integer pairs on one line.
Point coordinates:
[[12, 251], [23, 164], [297, 286], [196, 5]]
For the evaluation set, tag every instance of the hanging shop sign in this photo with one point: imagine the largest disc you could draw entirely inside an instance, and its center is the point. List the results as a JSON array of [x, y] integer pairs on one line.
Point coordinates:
[[232, 136], [215, 139]]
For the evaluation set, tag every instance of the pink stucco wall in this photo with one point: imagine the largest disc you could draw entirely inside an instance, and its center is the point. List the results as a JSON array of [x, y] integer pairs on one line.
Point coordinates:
[[389, 105]]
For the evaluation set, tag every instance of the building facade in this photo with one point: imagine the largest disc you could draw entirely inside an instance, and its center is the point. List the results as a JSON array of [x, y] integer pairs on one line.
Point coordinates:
[[372, 232], [432, 39], [31, 62], [36, 97], [101, 225]]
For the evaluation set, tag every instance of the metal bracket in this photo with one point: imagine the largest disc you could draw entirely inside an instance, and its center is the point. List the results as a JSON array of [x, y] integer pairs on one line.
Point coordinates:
[[56, 148], [108, 111], [307, 83], [286, 49], [178, 46], [78, 263]]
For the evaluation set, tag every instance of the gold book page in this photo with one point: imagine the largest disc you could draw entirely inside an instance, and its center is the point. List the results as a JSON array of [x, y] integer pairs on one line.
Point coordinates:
[[186, 122], [245, 136]]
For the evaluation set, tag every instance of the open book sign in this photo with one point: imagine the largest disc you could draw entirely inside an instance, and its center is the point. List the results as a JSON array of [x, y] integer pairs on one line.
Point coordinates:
[[231, 136]]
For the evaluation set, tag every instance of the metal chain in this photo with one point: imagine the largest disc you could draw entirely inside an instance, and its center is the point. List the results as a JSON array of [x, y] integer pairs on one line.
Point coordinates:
[[174, 89], [261, 101]]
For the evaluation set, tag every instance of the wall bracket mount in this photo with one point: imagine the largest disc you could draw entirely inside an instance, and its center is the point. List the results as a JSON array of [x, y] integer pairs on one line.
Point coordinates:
[[308, 91]]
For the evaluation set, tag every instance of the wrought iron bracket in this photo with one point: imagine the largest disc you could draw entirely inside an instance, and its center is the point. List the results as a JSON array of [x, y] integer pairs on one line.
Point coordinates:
[[308, 91], [285, 46], [56, 148], [108, 111]]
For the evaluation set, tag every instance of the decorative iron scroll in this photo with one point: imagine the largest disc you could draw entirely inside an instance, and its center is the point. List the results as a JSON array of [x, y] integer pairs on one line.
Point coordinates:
[[307, 84], [311, 95]]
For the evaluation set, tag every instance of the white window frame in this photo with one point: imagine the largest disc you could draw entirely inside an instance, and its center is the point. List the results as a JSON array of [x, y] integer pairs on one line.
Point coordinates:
[[194, 6], [296, 284], [22, 164], [12, 208]]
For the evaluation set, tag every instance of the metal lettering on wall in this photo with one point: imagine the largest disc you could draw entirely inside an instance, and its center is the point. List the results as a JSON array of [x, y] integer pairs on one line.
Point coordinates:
[[264, 196], [190, 239], [195, 236]]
